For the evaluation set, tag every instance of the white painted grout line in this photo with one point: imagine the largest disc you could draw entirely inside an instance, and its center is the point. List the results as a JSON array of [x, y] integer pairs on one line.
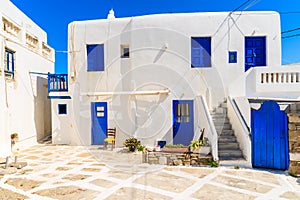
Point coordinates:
[[199, 184], [113, 189], [154, 190], [243, 191], [250, 180]]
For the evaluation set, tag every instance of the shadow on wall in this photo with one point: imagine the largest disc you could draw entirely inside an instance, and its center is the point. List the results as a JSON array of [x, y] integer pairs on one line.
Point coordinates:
[[42, 109]]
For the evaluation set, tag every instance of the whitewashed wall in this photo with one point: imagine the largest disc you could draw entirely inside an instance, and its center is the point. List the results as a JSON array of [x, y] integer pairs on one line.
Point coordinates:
[[160, 59], [23, 100]]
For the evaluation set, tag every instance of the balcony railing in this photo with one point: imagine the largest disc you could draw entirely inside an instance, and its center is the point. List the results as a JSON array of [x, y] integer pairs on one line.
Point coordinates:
[[57, 82], [282, 79]]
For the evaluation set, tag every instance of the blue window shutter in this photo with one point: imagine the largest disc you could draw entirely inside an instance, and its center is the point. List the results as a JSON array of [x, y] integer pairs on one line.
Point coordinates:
[[95, 57], [201, 52]]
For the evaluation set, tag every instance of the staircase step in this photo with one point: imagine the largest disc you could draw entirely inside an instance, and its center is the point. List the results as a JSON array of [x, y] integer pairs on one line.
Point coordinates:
[[226, 139], [221, 121], [225, 126], [230, 154], [227, 133], [220, 110], [223, 105], [228, 146]]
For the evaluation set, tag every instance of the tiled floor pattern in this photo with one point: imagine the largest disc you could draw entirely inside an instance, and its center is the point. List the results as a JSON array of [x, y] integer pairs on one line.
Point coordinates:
[[72, 172]]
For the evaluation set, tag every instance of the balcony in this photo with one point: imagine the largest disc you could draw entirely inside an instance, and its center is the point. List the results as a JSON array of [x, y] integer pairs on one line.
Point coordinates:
[[57, 82]]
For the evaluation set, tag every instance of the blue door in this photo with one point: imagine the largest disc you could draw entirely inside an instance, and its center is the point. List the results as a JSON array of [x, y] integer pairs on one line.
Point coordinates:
[[269, 137], [255, 52], [99, 122], [183, 121]]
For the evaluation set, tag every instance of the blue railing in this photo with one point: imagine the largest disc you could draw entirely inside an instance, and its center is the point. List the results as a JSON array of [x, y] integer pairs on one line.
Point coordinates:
[[57, 82]]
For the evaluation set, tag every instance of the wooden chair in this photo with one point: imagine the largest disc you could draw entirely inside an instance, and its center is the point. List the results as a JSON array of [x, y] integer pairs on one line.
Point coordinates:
[[110, 138]]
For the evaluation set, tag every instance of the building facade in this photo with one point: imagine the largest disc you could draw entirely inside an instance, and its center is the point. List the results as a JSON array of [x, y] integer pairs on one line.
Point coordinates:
[[25, 60], [159, 77]]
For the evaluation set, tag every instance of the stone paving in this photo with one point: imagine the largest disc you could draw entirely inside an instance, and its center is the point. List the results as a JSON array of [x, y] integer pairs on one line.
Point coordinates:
[[75, 172]]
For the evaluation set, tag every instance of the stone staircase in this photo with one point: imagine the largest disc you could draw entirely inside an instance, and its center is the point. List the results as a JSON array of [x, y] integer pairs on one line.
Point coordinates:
[[227, 143]]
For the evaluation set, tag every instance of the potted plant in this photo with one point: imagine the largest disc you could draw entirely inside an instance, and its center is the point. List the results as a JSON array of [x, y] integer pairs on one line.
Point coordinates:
[[196, 144], [132, 144]]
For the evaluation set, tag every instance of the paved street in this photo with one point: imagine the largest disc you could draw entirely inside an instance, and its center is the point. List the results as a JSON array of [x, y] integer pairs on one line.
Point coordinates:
[[72, 172]]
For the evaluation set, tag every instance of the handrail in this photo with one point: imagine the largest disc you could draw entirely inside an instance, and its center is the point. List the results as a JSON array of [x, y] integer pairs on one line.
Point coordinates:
[[240, 116], [214, 142]]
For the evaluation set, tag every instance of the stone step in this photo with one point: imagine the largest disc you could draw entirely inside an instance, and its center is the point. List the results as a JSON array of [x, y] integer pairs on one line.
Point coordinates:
[[220, 110], [228, 146], [226, 139], [225, 126], [230, 155], [223, 105], [229, 132], [218, 115], [221, 121]]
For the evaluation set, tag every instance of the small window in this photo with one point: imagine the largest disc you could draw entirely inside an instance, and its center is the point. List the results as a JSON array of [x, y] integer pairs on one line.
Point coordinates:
[[232, 57], [183, 113], [9, 61], [95, 57], [124, 51], [62, 109]]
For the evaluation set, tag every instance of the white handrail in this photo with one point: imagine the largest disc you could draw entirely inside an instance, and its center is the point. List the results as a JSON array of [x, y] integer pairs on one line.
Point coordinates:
[[238, 115], [214, 135], [240, 128]]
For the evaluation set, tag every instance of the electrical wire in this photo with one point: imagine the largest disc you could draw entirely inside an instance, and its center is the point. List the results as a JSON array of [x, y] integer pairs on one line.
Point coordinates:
[[291, 30], [290, 36]]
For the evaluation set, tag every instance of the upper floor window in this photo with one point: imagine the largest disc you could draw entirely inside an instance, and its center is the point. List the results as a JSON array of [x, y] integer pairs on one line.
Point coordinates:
[[124, 51], [200, 52], [95, 57], [9, 61]]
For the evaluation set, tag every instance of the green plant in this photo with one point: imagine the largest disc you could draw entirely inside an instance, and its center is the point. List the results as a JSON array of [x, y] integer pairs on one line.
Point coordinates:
[[132, 143], [141, 148], [196, 144], [213, 163]]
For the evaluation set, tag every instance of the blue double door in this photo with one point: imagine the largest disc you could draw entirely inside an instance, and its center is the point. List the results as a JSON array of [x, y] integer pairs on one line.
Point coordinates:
[[99, 122], [269, 137], [183, 121]]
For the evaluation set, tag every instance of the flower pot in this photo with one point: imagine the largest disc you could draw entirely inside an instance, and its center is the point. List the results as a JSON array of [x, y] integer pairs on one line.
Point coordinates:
[[204, 150]]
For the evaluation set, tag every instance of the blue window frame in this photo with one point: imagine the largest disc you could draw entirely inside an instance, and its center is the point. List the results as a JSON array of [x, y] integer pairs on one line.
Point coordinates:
[[9, 60], [200, 52], [62, 109], [95, 57], [232, 57]]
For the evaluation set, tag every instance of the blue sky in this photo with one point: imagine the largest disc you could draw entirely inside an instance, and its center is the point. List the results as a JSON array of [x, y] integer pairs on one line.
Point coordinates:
[[54, 16]]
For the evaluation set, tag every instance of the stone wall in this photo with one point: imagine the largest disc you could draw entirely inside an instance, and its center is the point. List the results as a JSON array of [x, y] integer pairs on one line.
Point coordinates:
[[294, 143], [164, 158]]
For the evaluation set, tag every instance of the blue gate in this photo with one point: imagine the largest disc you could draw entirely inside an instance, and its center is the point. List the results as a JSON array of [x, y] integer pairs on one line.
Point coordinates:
[[183, 121], [269, 137], [99, 122]]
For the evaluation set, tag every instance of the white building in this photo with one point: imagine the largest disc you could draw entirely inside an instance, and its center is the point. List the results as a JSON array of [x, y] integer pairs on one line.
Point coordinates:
[[25, 56], [158, 77]]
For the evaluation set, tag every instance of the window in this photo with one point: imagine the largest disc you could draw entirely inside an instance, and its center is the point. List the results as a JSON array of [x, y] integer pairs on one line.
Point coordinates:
[[9, 61], [62, 109], [232, 57], [95, 57], [183, 112], [124, 51], [200, 52]]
